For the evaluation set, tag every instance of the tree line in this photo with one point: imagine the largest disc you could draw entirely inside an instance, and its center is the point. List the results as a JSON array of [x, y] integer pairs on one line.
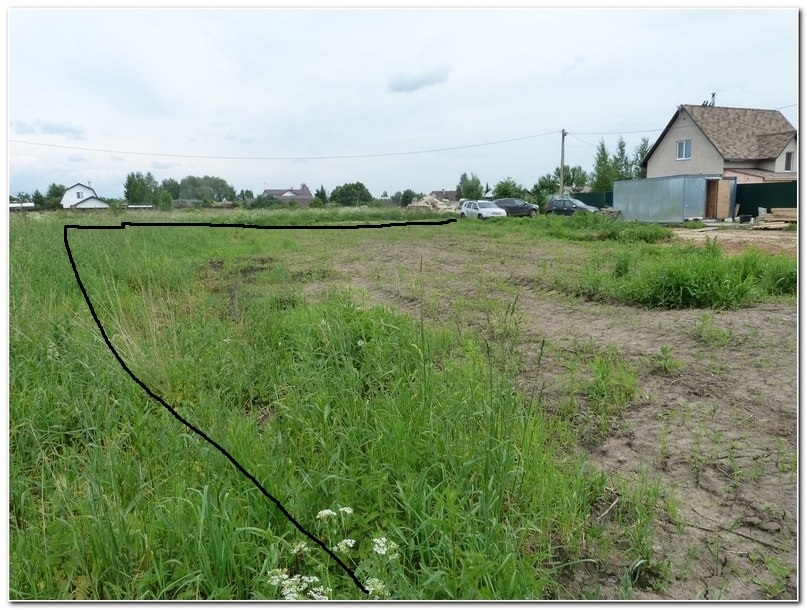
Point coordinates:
[[608, 168], [143, 189]]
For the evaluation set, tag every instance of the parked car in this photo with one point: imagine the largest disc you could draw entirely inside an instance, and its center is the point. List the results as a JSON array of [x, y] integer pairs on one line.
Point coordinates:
[[516, 207], [480, 210], [568, 206]]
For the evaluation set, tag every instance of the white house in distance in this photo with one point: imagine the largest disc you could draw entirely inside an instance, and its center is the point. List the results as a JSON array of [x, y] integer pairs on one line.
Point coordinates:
[[82, 197]]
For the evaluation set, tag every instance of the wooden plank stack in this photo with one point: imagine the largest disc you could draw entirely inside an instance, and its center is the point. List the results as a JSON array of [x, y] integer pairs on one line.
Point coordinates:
[[778, 219]]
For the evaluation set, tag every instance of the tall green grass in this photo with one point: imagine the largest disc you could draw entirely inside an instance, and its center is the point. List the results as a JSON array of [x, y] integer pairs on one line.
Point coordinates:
[[600, 227], [690, 277], [330, 404], [576, 228]]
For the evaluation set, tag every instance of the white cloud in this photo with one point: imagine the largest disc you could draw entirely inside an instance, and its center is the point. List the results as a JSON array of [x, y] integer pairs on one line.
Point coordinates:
[[39, 126], [407, 83]]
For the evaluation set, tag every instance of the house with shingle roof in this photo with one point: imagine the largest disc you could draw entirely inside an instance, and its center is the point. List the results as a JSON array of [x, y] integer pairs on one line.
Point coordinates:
[[444, 195], [300, 196], [747, 144]]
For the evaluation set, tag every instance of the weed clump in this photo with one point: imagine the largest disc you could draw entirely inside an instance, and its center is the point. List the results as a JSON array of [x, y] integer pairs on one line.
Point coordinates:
[[600, 227], [690, 278]]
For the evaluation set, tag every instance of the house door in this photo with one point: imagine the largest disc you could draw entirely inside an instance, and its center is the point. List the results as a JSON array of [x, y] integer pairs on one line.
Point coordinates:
[[723, 198], [711, 198]]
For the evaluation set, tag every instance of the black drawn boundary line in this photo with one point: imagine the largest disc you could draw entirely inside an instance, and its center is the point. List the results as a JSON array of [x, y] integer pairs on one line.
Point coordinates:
[[173, 411]]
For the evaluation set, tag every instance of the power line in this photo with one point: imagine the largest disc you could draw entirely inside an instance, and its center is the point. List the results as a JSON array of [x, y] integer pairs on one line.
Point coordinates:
[[582, 140], [619, 133], [311, 158], [336, 157]]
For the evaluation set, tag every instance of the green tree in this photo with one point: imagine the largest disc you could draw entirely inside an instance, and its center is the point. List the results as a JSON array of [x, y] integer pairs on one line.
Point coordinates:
[[264, 201], [622, 164], [164, 199], [206, 187], [407, 197], [243, 195], [619, 166], [470, 188], [604, 174], [507, 188], [351, 194], [321, 194], [574, 178], [140, 189], [171, 186], [221, 190], [53, 196], [38, 199], [638, 155], [546, 186]]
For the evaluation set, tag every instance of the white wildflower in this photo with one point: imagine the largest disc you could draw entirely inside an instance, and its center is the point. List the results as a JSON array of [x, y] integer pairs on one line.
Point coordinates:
[[277, 576], [319, 593], [297, 586], [382, 546], [300, 547], [324, 514], [346, 510], [361, 343], [375, 588], [344, 545], [292, 587]]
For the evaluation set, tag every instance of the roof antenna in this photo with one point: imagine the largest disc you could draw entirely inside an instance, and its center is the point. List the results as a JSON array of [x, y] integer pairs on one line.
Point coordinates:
[[712, 103]]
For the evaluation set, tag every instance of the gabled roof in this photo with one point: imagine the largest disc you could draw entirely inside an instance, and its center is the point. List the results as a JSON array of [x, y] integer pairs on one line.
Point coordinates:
[[738, 134], [296, 194], [80, 184]]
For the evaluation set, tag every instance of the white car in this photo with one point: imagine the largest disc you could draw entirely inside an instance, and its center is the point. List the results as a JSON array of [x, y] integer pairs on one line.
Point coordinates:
[[481, 210]]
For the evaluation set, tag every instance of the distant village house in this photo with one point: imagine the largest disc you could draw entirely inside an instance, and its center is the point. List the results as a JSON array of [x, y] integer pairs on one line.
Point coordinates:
[[444, 195], [82, 197], [302, 197]]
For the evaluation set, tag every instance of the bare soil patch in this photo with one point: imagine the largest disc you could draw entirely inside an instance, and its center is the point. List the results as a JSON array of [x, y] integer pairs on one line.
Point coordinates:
[[719, 432], [736, 239]]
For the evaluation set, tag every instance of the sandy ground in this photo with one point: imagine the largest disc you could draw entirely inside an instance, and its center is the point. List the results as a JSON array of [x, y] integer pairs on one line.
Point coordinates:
[[738, 237], [719, 433]]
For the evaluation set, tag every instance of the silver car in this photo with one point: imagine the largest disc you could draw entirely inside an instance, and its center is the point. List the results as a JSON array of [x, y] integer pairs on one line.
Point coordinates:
[[481, 210]]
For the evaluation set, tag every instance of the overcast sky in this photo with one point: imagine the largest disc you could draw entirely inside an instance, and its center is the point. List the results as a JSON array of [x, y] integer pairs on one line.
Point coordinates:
[[272, 98]]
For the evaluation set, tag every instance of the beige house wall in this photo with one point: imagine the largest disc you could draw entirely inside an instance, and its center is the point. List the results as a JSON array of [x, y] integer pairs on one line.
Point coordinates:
[[780, 161], [705, 157]]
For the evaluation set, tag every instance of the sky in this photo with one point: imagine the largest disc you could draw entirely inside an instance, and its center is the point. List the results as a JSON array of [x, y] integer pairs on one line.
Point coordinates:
[[404, 98]]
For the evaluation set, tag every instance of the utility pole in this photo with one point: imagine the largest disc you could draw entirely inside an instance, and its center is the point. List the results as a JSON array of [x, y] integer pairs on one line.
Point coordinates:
[[562, 150]]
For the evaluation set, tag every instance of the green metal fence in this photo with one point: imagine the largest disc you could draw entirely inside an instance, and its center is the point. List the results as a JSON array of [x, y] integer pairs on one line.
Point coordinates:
[[751, 197], [601, 199]]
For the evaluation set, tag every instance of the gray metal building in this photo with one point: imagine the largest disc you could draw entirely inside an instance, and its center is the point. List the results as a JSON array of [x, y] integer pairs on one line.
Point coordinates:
[[675, 199]]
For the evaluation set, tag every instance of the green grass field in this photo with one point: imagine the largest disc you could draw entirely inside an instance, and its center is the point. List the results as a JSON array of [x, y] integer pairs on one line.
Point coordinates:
[[404, 446]]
